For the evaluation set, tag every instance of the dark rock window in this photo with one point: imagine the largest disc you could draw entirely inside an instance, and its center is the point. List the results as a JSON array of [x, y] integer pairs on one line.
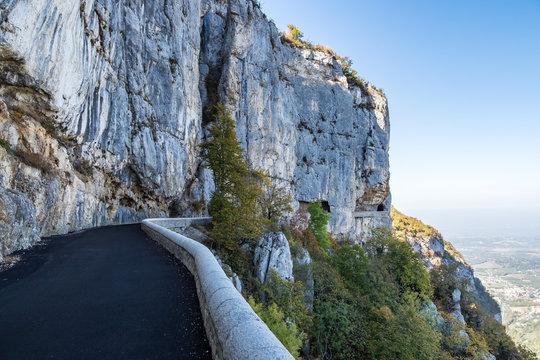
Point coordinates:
[[325, 205], [381, 207]]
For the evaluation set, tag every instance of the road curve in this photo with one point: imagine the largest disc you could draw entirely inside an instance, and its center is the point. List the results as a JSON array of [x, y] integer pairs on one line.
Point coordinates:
[[107, 293]]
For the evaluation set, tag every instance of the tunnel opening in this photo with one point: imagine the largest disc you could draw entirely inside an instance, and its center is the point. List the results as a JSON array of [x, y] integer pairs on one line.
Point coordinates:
[[381, 207], [325, 205]]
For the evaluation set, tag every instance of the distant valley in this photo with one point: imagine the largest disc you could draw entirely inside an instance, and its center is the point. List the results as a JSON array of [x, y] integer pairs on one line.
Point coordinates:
[[509, 268], [503, 247]]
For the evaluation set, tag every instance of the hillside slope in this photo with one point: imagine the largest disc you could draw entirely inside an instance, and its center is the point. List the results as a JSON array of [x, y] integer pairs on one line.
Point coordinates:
[[457, 293]]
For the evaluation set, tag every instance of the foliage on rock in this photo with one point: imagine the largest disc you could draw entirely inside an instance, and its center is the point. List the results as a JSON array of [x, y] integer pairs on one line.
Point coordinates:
[[318, 223], [404, 225], [275, 319], [294, 37], [5, 144]]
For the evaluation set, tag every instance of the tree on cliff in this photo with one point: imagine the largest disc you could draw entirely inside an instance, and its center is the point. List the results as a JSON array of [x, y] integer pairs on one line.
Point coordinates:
[[275, 201], [294, 33], [234, 206], [318, 222]]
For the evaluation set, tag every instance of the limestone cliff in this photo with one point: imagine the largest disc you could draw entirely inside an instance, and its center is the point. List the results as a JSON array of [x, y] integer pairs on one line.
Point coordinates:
[[103, 104]]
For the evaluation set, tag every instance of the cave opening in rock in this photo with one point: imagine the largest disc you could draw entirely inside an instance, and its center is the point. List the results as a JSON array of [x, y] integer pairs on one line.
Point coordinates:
[[325, 205], [381, 207]]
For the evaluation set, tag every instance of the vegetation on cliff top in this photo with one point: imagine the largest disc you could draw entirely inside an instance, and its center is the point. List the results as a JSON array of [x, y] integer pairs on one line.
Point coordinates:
[[407, 226], [404, 225], [294, 37]]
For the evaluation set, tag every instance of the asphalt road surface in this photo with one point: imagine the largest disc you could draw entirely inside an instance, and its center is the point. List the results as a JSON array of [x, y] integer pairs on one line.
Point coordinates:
[[107, 293]]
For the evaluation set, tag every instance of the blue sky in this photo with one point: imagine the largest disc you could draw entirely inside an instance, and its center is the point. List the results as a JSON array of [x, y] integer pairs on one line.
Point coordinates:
[[463, 84]]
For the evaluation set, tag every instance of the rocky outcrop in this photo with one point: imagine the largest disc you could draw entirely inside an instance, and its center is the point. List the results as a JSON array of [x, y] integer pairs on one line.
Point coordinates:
[[106, 102], [17, 222], [273, 253], [432, 316], [303, 272], [456, 307], [235, 279], [486, 355], [431, 248]]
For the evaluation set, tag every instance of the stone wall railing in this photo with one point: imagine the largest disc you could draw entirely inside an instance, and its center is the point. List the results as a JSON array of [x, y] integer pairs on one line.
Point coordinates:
[[234, 330], [364, 214]]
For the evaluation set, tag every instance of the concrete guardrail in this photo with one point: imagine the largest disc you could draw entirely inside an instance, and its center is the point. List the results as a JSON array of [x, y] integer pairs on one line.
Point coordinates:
[[234, 330], [366, 214]]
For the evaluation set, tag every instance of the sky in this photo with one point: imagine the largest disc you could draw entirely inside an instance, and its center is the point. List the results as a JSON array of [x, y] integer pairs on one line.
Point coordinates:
[[462, 80]]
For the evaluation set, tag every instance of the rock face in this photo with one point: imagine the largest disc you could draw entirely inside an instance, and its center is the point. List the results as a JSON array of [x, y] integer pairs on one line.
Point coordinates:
[[431, 248], [17, 222], [103, 104], [456, 308], [235, 279], [303, 271], [431, 314], [273, 253], [434, 251]]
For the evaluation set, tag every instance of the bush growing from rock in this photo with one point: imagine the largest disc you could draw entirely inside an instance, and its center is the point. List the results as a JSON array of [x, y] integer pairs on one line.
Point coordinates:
[[318, 222]]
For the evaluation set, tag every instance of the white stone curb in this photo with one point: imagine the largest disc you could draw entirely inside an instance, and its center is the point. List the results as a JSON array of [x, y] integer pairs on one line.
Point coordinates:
[[234, 330]]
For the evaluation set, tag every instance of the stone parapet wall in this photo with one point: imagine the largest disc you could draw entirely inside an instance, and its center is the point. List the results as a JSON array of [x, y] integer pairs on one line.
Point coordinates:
[[234, 330]]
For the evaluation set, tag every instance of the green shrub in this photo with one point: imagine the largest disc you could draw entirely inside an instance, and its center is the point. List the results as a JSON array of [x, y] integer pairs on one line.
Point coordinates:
[[336, 329], [318, 222], [363, 309], [351, 262], [400, 334], [402, 261], [288, 296], [287, 333], [5, 144]]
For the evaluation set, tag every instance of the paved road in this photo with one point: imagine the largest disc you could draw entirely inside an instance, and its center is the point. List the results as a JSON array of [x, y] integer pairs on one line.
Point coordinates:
[[108, 293]]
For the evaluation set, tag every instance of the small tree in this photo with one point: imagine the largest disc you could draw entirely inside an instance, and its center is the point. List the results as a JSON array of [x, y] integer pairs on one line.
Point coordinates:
[[275, 202], [318, 223], [288, 334], [294, 33]]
